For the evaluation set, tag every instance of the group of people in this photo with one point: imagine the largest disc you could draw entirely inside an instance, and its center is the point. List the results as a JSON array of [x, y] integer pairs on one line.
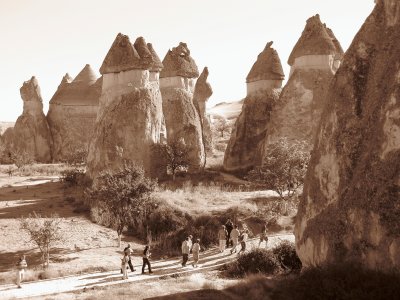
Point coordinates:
[[126, 261], [228, 236]]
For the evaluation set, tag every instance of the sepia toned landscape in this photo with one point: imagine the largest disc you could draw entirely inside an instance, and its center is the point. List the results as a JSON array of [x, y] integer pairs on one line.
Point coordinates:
[[133, 182]]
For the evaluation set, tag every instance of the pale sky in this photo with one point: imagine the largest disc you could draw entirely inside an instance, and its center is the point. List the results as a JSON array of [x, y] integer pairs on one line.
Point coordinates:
[[48, 38]]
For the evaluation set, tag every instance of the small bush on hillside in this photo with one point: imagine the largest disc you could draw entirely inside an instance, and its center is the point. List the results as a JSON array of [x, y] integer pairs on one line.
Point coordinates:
[[165, 219], [73, 177], [256, 261], [286, 254]]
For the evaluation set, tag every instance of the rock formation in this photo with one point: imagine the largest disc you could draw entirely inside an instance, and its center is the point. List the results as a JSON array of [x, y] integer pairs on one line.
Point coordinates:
[[182, 120], [313, 63], [202, 92], [350, 206], [72, 112], [263, 89], [129, 120], [31, 133], [317, 48]]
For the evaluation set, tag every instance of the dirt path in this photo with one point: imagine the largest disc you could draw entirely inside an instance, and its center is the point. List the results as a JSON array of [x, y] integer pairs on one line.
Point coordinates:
[[209, 260]]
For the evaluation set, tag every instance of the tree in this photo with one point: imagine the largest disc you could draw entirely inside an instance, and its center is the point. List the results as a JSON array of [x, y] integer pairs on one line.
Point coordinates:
[[44, 232], [222, 126], [20, 158], [176, 156], [123, 195], [283, 168]]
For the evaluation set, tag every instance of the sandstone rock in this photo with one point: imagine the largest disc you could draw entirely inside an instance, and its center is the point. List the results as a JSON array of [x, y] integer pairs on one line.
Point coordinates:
[[298, 111], [266, 72], [31, 133], [317, 48], [182, 120], [129, 120], [350, 205], [202, 92], [73, 111], [244, 150], [178, 62]]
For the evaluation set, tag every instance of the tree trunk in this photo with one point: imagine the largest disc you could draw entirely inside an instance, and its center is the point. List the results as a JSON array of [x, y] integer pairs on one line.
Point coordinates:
[[47, 256], [173, 175], [119, 240]]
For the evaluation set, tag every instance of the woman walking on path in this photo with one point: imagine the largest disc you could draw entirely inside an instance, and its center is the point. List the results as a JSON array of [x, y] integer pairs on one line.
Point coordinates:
[[195, 251], [243, 241], [222, 234], [21, 266], [146, 256], [263, 236], [124, 265]]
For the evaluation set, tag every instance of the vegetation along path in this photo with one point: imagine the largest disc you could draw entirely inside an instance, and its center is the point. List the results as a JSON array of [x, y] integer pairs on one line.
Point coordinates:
[[209, 260]]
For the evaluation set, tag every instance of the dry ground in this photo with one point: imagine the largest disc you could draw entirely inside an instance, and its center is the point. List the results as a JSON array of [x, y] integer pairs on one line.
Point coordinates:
[[86, 242], [83, 241]]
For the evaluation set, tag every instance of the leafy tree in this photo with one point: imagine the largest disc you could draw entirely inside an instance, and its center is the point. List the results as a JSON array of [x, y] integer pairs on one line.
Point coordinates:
[[283, 169], [20, 158], [222, 126], [176, 156], [44, 232], [124, 195]]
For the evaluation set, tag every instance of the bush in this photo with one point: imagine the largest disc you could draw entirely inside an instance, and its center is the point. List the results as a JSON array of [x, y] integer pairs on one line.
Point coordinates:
[[73, 177], [254, 262], [343, 281], [286, 255]]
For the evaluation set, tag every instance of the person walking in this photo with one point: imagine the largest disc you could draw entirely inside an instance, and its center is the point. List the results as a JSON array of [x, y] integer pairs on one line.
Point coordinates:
[[222, 238], [146, 261], [263, 236], [124, 265], [229, 228], [235, 238], [243, 241], [190, 243], [196, 253], [21, 266], [185, 251], [128, 251]]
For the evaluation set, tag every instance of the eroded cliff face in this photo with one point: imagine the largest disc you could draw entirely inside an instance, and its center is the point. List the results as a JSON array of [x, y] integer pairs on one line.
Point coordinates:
[[244, 150], [31, 133], [350, 207]]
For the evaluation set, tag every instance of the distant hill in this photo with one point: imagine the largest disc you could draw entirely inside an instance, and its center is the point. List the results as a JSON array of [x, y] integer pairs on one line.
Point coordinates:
[[228, 110], [5, 125]]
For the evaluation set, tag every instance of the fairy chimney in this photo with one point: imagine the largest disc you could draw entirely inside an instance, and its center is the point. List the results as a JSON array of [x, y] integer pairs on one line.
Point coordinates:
[[129, 121], [266, 73], [31, 133], [73, 111], [182, 120], [317, 48], [264, 81]]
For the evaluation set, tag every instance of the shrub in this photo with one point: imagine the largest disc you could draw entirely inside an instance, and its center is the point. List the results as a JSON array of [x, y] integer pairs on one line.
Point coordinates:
[[254, 262], [73, 177], [286, 255], [342, 281]]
